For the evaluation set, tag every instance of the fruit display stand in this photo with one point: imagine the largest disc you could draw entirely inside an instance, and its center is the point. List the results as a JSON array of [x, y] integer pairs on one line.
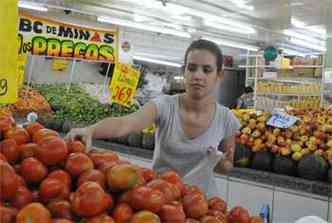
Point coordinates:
[[47, 179], [288, 197], [299, 84], [271, 168]]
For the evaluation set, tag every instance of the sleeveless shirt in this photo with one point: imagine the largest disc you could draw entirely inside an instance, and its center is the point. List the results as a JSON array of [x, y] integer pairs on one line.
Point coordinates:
[[175, 151]]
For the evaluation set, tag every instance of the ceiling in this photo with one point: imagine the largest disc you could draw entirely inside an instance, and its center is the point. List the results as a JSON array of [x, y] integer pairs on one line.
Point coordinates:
[[248, 22]]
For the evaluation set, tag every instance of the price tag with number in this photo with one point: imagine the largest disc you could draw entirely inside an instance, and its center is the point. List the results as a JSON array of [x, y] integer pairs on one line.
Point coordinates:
[[8, 49], [282, 120], [124, 83]]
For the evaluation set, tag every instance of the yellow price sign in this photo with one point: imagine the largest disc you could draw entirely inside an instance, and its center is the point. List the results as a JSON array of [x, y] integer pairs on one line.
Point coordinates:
[[21, 62], [8, 49], [124, 83]]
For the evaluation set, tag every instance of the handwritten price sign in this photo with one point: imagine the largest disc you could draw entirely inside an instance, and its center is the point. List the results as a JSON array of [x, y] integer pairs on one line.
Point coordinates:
[[124, 83], [8, 49], [280, 120]]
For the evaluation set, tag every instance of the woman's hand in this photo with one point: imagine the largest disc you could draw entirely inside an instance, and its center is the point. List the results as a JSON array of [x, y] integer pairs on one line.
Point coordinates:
[[84, 134]]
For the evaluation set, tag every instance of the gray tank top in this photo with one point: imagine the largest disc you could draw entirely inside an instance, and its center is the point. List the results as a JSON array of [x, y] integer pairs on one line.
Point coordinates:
[[174, 151]]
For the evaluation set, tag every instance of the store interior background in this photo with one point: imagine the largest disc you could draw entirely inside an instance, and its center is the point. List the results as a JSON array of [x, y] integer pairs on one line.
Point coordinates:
[[241, 27], [237, 25]]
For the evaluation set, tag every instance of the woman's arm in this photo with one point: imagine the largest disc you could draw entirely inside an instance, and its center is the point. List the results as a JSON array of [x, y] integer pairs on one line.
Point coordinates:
[[121, 126], [229, 147]]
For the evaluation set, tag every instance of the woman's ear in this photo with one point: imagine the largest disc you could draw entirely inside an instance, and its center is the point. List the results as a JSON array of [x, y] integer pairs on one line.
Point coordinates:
[[221, 75]]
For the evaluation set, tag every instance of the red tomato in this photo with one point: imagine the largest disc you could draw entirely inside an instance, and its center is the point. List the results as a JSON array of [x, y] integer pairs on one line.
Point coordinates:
[[52, 150], [122, 213], [146, 198], [61, 221], [173, 178], [34, 213], [216, 203], [27, 150], [75, 146], [60, 209], [92, 175], [20, 135], [42, 133], [166, 188], [172, 213], [238, 215], [145, 217], [7, 215], [104, 218], [33, 127], [148, 174], [6, 123], [211, 219], [101, 157], [61, 175], [32, 170], [8, 181], [22, 197], [51, 189], [2, 157], [89, 200], [8, 148], [77, 163], [195, 205]]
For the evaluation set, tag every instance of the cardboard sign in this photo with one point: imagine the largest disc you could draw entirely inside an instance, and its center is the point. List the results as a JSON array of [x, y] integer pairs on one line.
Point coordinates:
[[124, 83], [281, 120], [41, 36], [8, 49], [21, 62]]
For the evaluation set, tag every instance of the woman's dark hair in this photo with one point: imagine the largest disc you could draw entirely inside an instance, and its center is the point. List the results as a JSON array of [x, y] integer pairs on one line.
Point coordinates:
[[248, 90], [210, 46]]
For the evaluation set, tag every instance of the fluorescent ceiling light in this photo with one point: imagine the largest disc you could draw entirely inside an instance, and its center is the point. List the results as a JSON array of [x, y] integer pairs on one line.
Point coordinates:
[[233, 44], [292, 52], [230, 27], [297, 23], [140, 18], [32, 6], [146, 27], [178, 10], [243, 5], [307, 44], [170, 8], [162, 62], [302, 37], [178, 78], [318, 30]]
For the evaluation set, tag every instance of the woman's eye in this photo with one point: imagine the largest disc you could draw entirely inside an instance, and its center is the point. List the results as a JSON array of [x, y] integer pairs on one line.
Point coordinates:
[[207, 70], [192, 68]]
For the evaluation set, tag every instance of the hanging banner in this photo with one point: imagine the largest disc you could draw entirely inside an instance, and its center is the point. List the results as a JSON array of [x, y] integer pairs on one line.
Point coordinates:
[[41, 36], [8, 49], [124, 83]]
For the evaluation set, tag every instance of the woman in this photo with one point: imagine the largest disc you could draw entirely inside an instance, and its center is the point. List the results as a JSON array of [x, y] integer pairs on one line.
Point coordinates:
[[187, 124], [246, 99]]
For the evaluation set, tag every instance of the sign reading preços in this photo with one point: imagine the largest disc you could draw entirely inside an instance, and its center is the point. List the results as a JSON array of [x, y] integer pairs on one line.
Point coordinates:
[[41, 36]]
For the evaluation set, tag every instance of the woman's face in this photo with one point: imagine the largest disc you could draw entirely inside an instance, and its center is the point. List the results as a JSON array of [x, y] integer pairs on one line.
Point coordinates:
[[201, 75]]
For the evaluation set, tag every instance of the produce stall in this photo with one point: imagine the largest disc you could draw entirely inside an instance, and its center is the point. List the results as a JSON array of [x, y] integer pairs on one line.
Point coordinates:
[[45, 177], [82, 61]]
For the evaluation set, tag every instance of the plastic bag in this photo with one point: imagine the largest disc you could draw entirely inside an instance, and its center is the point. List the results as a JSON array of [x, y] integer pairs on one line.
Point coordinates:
[[201, 174]]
